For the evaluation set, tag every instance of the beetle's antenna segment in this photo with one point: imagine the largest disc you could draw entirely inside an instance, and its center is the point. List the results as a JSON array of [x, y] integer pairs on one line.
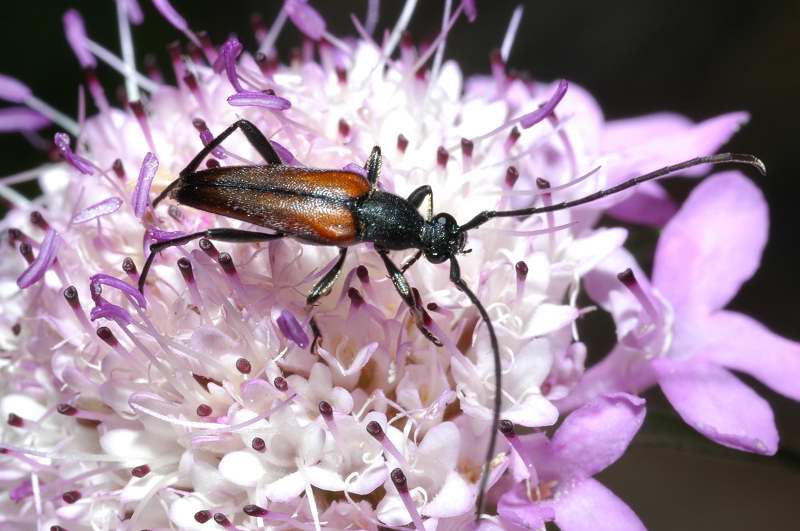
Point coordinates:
[[455, 278], [722, 158]]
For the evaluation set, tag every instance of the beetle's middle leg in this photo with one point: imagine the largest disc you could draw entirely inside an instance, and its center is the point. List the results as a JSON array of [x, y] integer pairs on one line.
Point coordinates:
[[416, 198], [402, 287], [223, 235], [320, 289]]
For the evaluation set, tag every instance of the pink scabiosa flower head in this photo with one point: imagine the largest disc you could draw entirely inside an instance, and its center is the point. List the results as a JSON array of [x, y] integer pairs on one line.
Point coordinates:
[[158, 375]]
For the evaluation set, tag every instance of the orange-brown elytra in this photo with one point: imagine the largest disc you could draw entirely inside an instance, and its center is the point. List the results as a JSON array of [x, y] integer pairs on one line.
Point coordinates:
[[343, 208]]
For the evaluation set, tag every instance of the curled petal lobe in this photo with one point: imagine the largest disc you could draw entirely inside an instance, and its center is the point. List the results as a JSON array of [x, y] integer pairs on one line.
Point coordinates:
[[741, 343], [45, 258], [649, 204], [713, 245], [714, 402]]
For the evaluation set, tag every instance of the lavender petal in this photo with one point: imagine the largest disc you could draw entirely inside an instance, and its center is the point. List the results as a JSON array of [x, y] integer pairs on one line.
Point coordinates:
[[306, 18]]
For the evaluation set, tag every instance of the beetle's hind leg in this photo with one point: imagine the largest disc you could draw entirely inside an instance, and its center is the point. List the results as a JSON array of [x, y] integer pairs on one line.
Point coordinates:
[[402, 287], [223, 235], [320, 289]]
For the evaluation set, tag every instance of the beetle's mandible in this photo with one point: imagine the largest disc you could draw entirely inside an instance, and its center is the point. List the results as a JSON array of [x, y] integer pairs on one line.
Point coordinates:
[[342, 208]]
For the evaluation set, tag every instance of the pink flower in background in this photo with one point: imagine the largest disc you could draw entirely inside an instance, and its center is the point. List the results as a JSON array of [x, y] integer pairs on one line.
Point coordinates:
[[198, 404], [676, 331]]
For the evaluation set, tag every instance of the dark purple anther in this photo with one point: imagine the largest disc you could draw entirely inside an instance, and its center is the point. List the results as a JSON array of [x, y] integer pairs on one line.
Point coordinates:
[[325, 409], [513, 136], [38, 220], [281, 384], [119, 169], [26, 251], [207, 46], [16, 235], [522, 270], [140, 471], [67, 409], [107, 335], [175, 213], [226, 262], [203, 516], [204, 410], [542, 184], [243, 366], [71, 295], [151, 68], [512, 174], [255, 511], [57, 528], [258, 444], [259, 28], [374, 429], [344, 128], [506, 427], [402, 143], [207, 247], [355, 297], [363, 274], [185, 267], [205, 380], [138, 109], [341, 75], [627, 278], [129, 266], [442, 156], [191, 82], [432, 306], [15, 420], [71, 496], [467, 146], [497, 64], [399, 480], [212, 163], [222, 520], [16, 328], [194, 52]]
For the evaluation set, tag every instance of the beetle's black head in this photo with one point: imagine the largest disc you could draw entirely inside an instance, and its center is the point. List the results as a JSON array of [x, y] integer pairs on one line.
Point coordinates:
[[442, 238]]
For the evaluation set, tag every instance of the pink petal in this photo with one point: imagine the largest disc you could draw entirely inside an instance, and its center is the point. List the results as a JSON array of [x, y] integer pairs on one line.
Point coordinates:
[[713, 244], [589, 506], [305, 18], [715, 403], [743, 344], [596, 435], [649, 204], [13, 119], [639, 145]]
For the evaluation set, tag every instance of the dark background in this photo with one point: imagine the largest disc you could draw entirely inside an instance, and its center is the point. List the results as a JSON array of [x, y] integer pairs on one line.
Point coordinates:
[[700, 58]]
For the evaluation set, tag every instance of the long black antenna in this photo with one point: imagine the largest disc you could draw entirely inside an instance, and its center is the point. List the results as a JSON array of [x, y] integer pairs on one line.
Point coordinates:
[[722, 158], [455, 278]]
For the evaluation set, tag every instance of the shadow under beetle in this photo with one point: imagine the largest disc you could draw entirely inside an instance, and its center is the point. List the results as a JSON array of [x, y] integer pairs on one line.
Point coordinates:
[[344, 208]]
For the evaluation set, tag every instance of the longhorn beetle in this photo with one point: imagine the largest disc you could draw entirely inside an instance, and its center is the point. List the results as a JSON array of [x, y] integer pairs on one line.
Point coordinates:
[[344, 208]]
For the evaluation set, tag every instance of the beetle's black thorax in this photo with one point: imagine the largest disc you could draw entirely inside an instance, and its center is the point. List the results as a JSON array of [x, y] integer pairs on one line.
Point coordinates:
[[389, 221]]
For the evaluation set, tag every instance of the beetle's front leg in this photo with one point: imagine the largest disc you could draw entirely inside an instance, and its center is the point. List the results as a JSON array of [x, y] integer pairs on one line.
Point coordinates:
[[320, 289], [402, 287]]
